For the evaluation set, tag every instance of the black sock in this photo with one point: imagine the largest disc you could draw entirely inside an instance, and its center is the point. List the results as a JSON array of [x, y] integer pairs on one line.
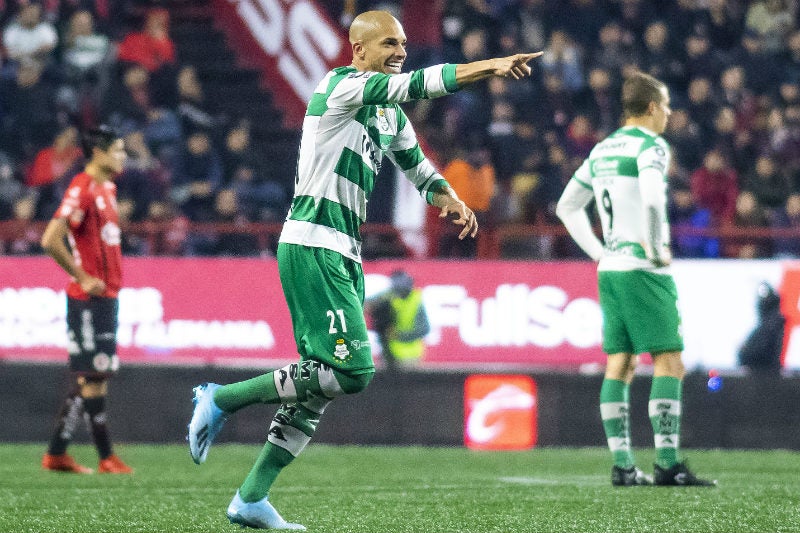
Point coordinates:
[[66, 423], [96, 420]]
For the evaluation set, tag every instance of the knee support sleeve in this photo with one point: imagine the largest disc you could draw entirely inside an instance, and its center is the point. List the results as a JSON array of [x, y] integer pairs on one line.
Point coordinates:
[[293, 426]]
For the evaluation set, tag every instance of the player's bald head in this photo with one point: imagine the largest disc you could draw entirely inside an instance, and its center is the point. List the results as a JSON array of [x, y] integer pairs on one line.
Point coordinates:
[[373, 24]]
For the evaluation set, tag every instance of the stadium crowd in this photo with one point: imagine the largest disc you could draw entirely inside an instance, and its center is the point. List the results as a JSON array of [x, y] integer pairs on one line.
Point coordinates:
[[732, 66]]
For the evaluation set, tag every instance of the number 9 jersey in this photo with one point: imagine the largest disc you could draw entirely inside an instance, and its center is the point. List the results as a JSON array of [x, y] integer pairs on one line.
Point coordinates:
[[612, 171]]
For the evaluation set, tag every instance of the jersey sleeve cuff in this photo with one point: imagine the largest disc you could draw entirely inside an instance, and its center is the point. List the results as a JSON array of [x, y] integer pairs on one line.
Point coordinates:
[[449, 78], [437, 186]]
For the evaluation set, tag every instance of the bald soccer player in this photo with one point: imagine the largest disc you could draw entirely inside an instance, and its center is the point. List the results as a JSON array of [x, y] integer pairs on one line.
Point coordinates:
[[352, 120]]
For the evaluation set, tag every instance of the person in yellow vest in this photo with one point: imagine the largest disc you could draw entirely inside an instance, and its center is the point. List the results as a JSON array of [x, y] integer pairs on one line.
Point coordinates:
[[400, 320]]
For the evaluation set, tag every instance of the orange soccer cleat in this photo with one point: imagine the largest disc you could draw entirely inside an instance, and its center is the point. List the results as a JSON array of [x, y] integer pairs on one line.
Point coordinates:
[[64, 463], [113, 465]]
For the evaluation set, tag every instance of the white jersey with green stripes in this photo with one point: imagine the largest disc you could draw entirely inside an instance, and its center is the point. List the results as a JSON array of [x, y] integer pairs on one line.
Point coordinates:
[[352, 120], [612, 172]]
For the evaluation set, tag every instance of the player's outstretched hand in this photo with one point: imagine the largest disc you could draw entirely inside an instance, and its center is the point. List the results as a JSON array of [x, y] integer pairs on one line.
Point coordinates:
[[515, 66], [464, 217]]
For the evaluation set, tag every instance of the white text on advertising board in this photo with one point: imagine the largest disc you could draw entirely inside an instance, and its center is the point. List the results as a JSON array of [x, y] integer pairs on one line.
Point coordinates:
[[516, 315]]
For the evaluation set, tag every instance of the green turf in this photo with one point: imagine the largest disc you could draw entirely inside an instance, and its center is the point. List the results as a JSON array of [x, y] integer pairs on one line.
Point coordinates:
[[387, 489]]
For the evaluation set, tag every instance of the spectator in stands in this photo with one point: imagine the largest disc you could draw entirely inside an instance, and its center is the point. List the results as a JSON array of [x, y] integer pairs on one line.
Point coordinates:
[[472, 176], [562, 58], [686, 139], [768, 184], [236, 244], [86, 53], [715, 186], [198, 178], [702, 104], [749, 214], [761, 68], [130, 105], [597, 102], [260, 198], [29, 112], [51, 167], [722, 22], [556, 105], [580, 139], [238, 151], [27, 240], [772, 20], [615, 49], [734, 142], [686, 219], [701, 59], [784, 139], [144, 179], [788, 218], [789, 60], [153, 49], [733, 92], [11, 189], [29, 39], [195, 111]]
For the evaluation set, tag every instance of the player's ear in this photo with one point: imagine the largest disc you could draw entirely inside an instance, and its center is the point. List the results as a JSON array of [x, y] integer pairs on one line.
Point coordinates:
[[358, 49]]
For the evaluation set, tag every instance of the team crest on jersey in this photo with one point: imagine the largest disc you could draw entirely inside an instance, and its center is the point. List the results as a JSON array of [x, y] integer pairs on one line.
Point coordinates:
[[340, 352], [383, 122]]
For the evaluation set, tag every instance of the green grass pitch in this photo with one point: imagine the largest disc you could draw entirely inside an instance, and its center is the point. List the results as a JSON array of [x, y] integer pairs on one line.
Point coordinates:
[[394, 489]]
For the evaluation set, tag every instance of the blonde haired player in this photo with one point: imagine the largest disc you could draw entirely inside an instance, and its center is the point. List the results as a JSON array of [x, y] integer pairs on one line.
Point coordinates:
[[626, 175]]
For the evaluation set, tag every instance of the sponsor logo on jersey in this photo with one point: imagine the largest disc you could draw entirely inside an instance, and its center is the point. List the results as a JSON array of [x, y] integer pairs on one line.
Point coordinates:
[[358, 344]]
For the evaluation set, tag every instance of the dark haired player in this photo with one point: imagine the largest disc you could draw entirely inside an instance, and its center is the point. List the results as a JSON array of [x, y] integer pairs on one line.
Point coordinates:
[[88, 218]]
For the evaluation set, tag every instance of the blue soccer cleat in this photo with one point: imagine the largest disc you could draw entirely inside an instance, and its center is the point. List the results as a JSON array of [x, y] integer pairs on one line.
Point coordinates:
[[258, 515], [207, 421]]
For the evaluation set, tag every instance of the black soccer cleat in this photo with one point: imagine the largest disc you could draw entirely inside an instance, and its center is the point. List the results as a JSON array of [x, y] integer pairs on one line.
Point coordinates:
[[679, 475], [629, 477]]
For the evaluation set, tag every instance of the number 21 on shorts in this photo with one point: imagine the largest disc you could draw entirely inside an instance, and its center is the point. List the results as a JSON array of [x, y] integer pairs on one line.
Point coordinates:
[[332, 315]]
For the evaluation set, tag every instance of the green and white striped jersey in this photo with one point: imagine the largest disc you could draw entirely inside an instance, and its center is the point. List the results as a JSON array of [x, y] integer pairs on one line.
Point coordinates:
[[612, 172], [352, 120]]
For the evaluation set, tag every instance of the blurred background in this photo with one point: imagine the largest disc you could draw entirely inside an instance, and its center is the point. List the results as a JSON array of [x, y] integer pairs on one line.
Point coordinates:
[[210, 96]]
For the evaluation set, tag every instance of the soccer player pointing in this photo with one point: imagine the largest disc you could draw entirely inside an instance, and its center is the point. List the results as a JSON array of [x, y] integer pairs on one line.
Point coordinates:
[[353, 119], [88, 218], [626, 175]]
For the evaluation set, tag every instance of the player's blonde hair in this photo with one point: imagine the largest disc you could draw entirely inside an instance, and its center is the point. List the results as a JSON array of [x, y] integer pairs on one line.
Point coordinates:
[[638, 91]]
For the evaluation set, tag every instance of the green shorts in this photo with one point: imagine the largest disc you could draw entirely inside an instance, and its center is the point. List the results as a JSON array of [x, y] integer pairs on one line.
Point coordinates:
[[640, 312], [325, 294]]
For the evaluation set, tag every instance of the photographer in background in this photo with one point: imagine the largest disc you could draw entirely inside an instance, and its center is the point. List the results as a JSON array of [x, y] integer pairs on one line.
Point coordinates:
[[761, 352], [399, 318]]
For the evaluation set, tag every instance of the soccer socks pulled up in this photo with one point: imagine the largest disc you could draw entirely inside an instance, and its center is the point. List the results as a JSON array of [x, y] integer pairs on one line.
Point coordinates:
[[615, 413], [664, 409], [95, 415], [296, 382], [68, 419], [290, 431]]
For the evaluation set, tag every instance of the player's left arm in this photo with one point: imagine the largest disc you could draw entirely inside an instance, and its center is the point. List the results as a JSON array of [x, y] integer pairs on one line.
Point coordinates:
[[406, 154], [653, 164], [53, 243]]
